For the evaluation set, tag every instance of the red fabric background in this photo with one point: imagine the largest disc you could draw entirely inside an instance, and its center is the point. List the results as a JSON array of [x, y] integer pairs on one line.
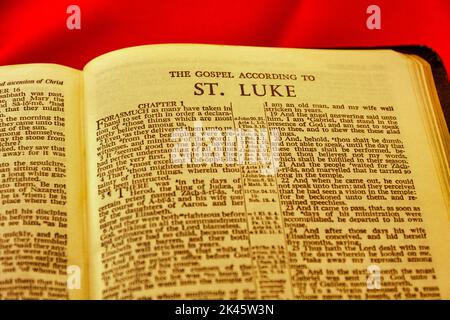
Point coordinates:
[[35, 31]]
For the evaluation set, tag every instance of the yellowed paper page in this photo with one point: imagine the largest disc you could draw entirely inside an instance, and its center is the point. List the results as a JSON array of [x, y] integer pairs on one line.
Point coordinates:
[[41, 184], [352, 208]]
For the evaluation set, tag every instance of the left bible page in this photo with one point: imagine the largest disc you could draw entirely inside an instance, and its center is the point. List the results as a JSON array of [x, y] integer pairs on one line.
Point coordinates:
[[42, 253]]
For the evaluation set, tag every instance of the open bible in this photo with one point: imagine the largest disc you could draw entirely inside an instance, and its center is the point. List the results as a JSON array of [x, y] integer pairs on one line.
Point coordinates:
[[222, 172]]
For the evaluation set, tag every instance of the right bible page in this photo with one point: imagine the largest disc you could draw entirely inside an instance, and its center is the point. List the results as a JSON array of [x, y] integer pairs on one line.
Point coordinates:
[[221, 172]]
